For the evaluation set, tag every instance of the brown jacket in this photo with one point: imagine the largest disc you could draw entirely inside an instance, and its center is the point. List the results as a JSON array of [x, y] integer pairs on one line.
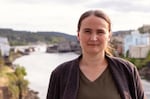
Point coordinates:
[[64, 81]]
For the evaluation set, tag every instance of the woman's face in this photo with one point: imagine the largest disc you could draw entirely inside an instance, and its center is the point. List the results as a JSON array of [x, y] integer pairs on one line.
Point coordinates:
[[93, 35]]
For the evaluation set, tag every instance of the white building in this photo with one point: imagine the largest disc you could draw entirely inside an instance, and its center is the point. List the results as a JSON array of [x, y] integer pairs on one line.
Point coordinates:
[[4, 46], [135, 39], [140, 51]]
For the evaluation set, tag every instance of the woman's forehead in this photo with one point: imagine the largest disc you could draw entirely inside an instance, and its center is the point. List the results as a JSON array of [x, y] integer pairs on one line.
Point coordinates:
[[94, 21]]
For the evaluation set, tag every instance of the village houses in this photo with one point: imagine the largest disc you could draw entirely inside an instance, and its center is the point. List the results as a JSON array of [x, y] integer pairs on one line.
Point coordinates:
[[137, 45]]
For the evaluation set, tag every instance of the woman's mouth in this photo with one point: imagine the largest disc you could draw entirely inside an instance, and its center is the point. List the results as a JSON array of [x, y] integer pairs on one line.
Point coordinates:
[[93, 44]]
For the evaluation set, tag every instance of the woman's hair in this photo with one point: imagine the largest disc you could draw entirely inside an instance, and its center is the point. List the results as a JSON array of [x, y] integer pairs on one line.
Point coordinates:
[[100, 14], [97, 13]]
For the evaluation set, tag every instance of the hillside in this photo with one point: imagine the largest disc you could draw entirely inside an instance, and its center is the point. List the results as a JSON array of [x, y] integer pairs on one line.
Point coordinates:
[[27, 37]]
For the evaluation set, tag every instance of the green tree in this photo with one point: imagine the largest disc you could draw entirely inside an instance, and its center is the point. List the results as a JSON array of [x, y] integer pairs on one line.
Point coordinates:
[[21, 82]]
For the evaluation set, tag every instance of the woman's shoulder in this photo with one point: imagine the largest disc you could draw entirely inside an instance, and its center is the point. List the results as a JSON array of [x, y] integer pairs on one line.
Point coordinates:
[[120, 62], [67, 66], [118, 59]]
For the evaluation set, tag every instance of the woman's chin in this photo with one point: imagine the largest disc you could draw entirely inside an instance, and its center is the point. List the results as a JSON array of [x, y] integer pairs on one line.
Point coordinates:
[[93, 52]]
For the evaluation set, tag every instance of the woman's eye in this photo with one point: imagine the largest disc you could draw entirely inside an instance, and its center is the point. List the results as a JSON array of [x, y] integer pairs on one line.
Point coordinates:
[[100, 32], [87, 31]]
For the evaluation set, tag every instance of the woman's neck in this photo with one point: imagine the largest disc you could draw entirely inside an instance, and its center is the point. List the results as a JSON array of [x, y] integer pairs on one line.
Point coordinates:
[[93, 60]]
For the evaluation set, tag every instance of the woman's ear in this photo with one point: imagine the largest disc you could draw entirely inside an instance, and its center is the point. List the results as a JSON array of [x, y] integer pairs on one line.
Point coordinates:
[[78, 36]]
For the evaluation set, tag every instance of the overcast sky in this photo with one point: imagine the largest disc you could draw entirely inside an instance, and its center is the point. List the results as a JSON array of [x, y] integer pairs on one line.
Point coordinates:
[[63, 15]]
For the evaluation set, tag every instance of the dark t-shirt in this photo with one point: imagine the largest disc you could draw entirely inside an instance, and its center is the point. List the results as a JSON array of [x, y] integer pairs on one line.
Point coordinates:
[[102, 88]]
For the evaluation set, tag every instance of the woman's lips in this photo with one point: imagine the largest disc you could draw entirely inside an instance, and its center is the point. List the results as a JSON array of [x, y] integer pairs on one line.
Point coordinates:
[[93, 44]]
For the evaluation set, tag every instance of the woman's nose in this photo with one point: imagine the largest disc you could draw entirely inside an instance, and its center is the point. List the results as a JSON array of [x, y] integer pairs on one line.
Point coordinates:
[[93, 37]]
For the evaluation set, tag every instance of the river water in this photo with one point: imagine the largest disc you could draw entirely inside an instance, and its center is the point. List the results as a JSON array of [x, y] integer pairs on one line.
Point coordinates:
[[40, 64]]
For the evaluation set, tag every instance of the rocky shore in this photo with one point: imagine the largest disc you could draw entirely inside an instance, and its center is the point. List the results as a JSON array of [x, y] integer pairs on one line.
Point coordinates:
[[12, 82], [6, 94]]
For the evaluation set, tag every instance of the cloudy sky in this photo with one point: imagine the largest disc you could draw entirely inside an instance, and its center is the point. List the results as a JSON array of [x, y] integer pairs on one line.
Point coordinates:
[[63, 15]]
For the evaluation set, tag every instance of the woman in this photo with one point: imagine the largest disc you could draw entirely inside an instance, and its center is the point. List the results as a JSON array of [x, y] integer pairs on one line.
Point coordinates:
[[95, 74]]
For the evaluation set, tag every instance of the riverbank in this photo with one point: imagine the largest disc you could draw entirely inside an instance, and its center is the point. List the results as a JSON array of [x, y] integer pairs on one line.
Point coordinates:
[[13, 85], [39, 67]]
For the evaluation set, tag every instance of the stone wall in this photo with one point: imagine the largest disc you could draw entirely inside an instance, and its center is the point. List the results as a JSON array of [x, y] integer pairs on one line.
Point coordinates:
[[4, 93]]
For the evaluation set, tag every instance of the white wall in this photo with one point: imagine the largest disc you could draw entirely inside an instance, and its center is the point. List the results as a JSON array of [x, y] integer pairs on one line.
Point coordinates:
[[4, 46]]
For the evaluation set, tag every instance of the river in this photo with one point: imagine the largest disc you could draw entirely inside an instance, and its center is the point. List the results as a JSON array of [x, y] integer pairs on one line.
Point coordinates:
[[40, 64]]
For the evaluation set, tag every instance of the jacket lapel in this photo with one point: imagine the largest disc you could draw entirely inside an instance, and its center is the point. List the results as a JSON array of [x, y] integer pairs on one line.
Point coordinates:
[[119, 77], [73, 81]]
